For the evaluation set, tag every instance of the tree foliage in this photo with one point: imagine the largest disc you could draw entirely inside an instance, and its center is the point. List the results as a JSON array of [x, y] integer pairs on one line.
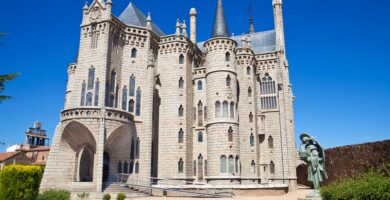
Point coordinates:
[[3, 80], [20, 182]]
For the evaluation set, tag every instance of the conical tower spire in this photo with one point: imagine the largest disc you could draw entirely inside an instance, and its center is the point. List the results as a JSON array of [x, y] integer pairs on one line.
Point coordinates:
[[220, 28]]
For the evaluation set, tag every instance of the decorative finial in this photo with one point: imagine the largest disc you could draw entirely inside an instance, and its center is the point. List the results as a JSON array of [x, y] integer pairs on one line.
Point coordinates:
[[177, 26], [109, 2], [86, 6], [193, 12], [149, 22], [184, 28], [276, 2]]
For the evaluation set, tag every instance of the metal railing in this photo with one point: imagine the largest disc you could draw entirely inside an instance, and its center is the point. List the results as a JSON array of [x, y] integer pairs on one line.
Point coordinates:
[[187, 188]]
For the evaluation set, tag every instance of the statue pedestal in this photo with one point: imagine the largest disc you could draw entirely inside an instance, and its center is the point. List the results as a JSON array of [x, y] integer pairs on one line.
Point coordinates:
[[315, 195]]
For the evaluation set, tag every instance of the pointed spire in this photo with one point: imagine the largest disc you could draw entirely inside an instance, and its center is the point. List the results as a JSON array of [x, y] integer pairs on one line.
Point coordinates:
[[149, 21], [177, 27], [86, 6], [220, 28], [251, 26]]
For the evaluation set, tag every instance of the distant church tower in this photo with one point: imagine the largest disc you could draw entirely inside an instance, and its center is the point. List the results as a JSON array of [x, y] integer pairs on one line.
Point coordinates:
[[144, 103]]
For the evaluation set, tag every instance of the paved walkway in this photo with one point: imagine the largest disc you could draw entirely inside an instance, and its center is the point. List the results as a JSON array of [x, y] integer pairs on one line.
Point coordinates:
[[300, 193]]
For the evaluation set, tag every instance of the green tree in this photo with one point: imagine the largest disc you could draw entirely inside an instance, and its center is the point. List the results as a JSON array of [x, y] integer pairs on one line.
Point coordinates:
[[4, 78]]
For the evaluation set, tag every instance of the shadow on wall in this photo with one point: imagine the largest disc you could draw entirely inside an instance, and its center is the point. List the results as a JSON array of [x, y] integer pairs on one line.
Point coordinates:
[[347, 161]]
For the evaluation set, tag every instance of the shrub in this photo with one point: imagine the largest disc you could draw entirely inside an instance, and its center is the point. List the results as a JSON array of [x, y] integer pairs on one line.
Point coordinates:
[[107, 197], [121, 196], [373, 185], [20, 182], [54, 194], [83, 195]]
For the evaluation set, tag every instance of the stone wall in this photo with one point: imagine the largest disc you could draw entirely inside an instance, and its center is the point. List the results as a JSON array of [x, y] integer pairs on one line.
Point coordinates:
[[344, 162]]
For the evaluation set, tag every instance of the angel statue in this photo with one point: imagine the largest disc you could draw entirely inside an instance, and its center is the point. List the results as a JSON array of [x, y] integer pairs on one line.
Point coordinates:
[[313, 154]]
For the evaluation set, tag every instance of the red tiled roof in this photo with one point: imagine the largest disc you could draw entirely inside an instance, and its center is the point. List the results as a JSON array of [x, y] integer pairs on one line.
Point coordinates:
[[6, 155]]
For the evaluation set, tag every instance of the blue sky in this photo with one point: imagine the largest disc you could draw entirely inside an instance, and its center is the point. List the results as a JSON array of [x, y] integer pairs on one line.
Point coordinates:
[[338, 54]]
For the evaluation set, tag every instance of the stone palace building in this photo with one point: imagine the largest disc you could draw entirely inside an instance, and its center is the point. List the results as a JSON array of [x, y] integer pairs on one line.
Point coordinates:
[[149, 104]]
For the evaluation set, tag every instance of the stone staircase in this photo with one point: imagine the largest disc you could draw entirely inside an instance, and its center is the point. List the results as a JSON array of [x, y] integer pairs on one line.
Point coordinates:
[[115, 188]]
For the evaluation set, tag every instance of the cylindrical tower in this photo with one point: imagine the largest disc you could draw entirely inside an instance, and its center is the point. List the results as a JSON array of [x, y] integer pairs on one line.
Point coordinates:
[[222, 125]]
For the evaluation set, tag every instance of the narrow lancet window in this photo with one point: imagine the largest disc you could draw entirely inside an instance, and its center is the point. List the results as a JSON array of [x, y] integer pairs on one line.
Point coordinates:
[[200, 114], [181, 111], [270, 142], [97, 85], [181, 136], [89, 99], [132, 85], [217, 109], [230, 134], [82, 102], [134, 53], [181, 59], [138, 100], [124, 98], [180, 166], [91, 78]]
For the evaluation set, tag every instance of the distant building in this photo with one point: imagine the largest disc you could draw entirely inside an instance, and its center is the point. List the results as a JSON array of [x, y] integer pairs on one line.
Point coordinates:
[[11, 158], [35, 147]]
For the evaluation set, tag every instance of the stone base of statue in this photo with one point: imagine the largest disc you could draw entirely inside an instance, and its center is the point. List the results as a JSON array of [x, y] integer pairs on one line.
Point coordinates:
[[315, 195]]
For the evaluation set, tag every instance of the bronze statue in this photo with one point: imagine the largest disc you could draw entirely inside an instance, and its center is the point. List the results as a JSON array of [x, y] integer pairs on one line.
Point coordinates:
[[313, 154]]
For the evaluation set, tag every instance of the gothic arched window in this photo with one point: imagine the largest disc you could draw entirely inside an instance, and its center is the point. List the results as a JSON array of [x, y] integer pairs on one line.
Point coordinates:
[[181, 59], [272, 167], [249, 92], [252, 140], [131, 170], [112, 85], [200, 137], [91, 77], [248, 70], [231, 164], [137, 167], [253, 167], [223, 164], [217, 109], [237, 163], [225, 106], [82, 102], [138, 103], [230, 134], [138, 146], [132, 85], [227, 57], [267, 85], [228, 80], [180, 166], [180, 136], [120, 167], [200, 85], [181, 83], [250, 117], [97, 85], [232, 110], [205, 112], [131, 105], [200, 114], [125, 167], [270, 142], [89, 99], [134, 53], [124, 98], [181, 111]]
